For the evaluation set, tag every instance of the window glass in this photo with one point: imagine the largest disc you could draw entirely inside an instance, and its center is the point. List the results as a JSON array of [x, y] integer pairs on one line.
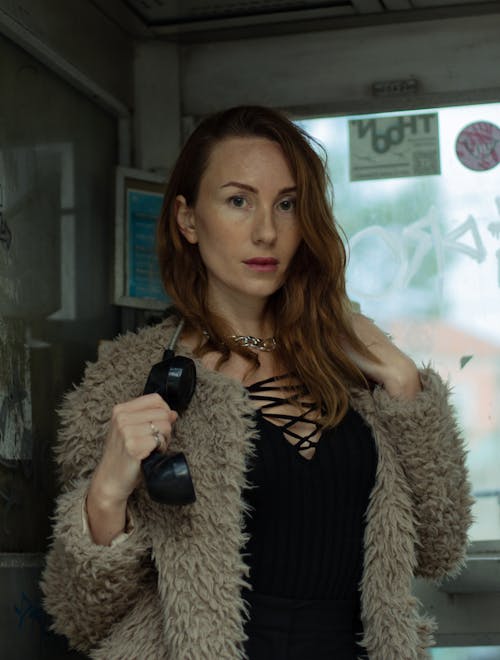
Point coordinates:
[[467, 653], [418, 195]]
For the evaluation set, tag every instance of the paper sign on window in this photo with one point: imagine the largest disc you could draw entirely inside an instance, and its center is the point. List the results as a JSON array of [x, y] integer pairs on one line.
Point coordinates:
[[393, 147]]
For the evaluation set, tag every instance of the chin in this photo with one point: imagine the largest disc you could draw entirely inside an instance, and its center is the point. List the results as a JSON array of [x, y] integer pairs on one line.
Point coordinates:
[[263, 293]]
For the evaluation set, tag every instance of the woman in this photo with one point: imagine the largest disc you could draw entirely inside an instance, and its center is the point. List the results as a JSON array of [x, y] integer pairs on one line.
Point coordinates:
[[328, 470]]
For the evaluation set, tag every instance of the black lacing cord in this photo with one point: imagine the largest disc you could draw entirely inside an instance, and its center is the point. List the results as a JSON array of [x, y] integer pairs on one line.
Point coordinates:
[[257, 392]]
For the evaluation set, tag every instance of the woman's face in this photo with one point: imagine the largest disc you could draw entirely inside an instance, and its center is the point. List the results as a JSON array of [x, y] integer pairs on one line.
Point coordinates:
[[244, 220]]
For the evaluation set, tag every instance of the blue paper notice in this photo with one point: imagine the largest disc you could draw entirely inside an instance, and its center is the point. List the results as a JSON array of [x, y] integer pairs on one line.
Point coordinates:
[[143, 209]]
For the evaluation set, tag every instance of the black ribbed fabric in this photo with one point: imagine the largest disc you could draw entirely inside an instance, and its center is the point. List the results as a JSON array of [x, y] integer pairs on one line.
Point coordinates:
[[306, 524], [292, 629]]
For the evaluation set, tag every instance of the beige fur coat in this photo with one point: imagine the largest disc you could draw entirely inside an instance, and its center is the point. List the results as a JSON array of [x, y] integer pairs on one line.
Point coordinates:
[[171, 589]]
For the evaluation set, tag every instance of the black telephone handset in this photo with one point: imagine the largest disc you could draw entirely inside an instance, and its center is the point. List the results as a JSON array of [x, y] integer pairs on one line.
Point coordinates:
[[167, 476]]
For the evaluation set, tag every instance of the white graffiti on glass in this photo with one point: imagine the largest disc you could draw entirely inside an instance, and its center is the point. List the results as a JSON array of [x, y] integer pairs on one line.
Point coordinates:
[[494, 227], [417, 240]]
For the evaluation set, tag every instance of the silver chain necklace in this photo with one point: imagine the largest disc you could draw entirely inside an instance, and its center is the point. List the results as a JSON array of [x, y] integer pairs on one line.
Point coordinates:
[[268, 344], [248, 341]]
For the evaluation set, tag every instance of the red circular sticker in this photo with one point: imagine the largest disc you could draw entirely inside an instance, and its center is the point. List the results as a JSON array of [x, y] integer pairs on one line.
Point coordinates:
[[478, 146]]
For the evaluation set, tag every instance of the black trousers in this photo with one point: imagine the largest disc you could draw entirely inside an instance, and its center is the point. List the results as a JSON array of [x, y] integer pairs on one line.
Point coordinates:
[[289, 629]]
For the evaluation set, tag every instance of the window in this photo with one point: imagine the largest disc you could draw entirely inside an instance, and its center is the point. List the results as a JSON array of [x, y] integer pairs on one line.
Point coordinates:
[[418, 195]]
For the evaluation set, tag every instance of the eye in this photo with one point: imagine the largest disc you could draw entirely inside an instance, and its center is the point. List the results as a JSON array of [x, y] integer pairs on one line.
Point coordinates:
[[237, 201], [287, 204]]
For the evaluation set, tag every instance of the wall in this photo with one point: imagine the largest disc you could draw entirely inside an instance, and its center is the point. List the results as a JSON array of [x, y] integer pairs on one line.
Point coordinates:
[[455, 58], [157, 109], [77, 40], [58, 151]]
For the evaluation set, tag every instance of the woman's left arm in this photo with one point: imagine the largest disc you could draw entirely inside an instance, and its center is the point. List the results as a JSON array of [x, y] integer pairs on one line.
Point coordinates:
[[413, 409]]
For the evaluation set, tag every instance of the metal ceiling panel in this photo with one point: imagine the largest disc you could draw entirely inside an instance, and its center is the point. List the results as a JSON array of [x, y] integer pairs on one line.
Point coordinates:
[[432, 4], [164, 12], [160, 12], [397, 5], [232, 19], [367, 6]]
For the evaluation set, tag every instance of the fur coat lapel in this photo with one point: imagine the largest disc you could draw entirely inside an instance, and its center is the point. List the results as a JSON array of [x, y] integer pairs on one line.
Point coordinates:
[[393, 628], [204, 539]]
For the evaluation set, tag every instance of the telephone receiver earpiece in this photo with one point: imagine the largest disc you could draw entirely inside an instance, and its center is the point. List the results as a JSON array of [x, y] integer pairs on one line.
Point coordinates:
[[167, 476]]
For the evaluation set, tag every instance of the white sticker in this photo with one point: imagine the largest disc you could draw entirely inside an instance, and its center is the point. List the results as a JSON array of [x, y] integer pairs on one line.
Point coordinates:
[[393, 147]]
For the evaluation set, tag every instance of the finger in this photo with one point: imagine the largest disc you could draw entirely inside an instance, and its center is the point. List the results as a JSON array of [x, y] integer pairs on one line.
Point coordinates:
[[153, 400], [162, 443], [153, 429], [143, 447], [157, 435], [161, 440], [158, 414], [126, 418], [145, 430], [140, 440]]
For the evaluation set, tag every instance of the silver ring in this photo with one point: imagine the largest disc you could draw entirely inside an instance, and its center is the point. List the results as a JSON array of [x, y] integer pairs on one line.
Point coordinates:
[[156, 434]]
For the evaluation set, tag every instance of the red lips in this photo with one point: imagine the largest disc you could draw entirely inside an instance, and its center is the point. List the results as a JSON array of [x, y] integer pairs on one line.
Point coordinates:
[[262, 261]]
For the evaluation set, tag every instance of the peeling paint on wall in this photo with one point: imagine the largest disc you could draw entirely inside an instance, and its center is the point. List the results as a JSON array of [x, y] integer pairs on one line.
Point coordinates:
[[29, 228], [5, 233], [16, 441]]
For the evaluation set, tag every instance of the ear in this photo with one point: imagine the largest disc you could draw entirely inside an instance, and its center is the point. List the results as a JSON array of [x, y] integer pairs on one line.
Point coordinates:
[[184, 216]]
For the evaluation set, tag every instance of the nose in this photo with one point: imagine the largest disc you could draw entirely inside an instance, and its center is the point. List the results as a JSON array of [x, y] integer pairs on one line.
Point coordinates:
[[264, 226]]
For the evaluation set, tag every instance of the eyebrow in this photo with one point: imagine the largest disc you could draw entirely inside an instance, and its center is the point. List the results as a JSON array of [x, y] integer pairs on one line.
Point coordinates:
[[245, 186]]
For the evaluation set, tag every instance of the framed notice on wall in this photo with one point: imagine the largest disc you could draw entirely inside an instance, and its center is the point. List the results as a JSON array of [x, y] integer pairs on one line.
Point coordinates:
[[137, 280]]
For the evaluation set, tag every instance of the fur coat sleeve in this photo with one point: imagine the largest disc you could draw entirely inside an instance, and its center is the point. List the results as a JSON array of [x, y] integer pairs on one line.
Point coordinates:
[[76, 568], [427, 455], [418, 515], [431, 451]]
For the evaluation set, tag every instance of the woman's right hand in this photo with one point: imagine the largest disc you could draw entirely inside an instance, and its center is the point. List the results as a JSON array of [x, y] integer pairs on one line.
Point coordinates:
[[130, 439]]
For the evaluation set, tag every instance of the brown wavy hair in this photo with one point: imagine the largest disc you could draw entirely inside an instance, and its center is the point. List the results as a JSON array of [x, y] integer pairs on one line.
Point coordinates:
[[310, 311]]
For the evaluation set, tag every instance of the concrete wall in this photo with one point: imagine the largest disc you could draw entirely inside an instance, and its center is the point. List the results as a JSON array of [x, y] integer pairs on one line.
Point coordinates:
[[454, 58], [157, 117], [58, 151], [78, 40]]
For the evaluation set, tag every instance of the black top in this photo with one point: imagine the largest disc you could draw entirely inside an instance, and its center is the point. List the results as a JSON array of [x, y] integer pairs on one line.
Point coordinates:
[[307, 515]]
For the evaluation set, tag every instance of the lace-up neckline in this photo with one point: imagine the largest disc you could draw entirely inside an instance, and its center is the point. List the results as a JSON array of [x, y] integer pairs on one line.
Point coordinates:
[[278, 398]]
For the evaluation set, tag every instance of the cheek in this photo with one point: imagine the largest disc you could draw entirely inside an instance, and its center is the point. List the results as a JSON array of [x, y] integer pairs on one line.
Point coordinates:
[[210, 237], [217, 234], [295, 239], [204, 232], [214, 246]]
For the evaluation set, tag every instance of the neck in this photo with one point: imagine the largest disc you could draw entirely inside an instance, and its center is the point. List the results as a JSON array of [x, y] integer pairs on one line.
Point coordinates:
[[245, 317]]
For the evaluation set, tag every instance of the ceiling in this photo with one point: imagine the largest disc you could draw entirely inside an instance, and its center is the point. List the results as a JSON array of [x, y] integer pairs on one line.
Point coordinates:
[[192, 20]]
